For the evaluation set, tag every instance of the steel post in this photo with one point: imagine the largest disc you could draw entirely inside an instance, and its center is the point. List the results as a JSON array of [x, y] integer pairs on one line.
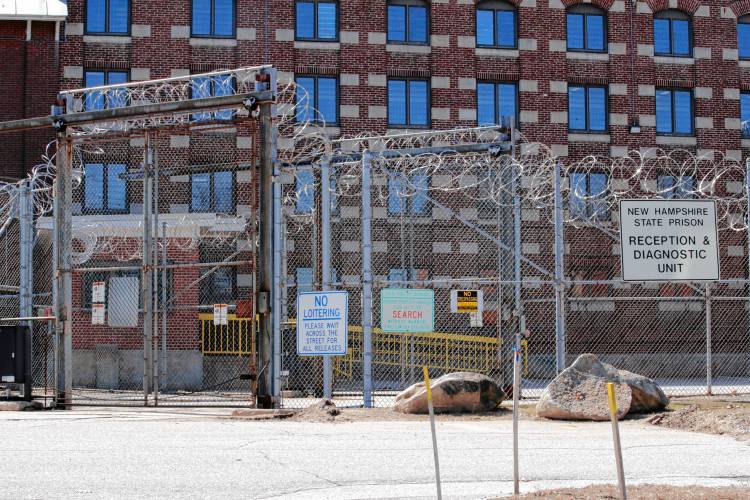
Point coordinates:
[[155, 351], [747, 249], [325, 250], [278, 286], [164, 308], [709, 361], [367, 297], [26, 281], [559, 274], [146, 271]]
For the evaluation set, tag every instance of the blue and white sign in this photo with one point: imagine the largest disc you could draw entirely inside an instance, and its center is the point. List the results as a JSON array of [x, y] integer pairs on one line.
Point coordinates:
[[322, 319]]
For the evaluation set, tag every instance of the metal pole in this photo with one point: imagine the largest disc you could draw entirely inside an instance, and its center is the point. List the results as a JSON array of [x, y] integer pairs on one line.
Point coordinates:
[[325, 238], [616, 438], [559, 273], [163, 335], [516, 409], [278, 285], [63, 282], [146, 271], [431, 411], [267, 165], [26, 280], [747, 220], [366, 279], [709, 368], [155, 354]]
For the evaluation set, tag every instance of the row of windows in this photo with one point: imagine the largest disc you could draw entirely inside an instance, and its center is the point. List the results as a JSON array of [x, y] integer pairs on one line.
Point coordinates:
[[408, 22]]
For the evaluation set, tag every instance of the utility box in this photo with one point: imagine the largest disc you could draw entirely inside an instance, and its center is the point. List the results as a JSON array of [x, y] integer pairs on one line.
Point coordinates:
[[14, 355]]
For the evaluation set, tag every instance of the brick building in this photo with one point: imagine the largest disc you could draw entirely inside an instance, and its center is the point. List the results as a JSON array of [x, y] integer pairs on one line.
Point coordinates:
[[598, 77]]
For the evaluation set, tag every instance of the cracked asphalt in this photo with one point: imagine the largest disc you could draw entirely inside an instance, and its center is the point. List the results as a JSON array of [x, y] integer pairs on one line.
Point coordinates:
[[203, 454]]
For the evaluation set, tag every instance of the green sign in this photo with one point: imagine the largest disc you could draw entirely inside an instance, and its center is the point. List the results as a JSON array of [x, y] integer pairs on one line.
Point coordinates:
[[407, 310]]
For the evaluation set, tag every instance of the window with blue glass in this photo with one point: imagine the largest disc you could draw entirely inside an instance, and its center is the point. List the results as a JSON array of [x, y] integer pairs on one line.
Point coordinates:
[[104, 190], [408, 103], [586, 28], [587, 108], [305, 191], [408, 21], [743, 36], [674, 112], [105, 98], [213, 18], [212, 192], [316, 20], [108, 17], [496, 101], [218, 286], [676, 187], [745, 113], [305, 279], [409, 195], [588, 193], [212, 86], [496, 25], [672, 33], [317, 99]]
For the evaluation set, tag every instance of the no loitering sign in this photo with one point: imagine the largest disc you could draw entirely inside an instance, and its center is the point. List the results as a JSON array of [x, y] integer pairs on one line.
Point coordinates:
[[669, 240], [322, 321]]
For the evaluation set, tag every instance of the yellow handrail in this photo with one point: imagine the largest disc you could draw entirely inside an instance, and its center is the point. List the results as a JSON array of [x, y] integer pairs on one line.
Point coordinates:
[[233, 339]]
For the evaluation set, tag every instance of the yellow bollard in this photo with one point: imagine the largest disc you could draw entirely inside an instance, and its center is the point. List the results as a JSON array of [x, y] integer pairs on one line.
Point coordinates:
[[432, 427], [616, 438]]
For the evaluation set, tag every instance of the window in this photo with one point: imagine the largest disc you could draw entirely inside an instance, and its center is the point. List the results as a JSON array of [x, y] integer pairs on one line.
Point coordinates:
[[212, 192], [674, 112], [88, 279], [305, 192], [101, 99], [212, 86], [407, 21], [397, 276], [317, 20], [213, 18], [104, 191], [745, 113], [671, 33], [587, 108], [408, 103], [743, 36], [587, 195], [218, 287], [495, 101], [412, 194], [586, 28], [676, 187], [496, 25], [319, 102], [305, 279], [108, 17]]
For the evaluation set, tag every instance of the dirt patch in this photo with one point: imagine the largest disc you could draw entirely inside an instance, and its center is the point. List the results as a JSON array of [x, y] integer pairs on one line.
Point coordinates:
[[642, 492], [731, 419], [327, 411]]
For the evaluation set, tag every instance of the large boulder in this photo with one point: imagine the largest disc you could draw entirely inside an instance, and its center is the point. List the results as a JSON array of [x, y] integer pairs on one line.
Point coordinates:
[[458, 392], [576, 395], [580, 392], [647, 395]]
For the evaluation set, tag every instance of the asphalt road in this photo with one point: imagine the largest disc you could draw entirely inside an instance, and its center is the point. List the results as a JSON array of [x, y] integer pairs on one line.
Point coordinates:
[[100, 454]]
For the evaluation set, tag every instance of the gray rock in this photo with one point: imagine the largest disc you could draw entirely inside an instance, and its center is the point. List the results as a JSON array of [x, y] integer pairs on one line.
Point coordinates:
[[20, 405], [458, 392], [647, 395], [577, 395]]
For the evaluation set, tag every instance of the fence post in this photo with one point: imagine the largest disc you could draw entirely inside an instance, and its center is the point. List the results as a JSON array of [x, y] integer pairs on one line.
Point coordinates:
[[709, 369], [366, 279], [146, 272], [164, 308], [62, 267], [26, 281], [325, 238], [747, 220], [559, 273], [278, 291]]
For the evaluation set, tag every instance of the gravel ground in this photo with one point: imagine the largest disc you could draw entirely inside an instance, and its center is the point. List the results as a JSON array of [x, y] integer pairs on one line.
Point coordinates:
[[723, 417], [642, 492]]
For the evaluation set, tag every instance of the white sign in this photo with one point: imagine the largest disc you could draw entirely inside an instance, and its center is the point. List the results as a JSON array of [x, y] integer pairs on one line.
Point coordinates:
[[97, 314], [467, 301], [97, 291], [405, 310], [322, 320], [220, 314], [669, 240], [476, 320]]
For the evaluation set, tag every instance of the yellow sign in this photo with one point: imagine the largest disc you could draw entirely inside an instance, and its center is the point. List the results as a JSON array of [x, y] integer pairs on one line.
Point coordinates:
[[466, 301]]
